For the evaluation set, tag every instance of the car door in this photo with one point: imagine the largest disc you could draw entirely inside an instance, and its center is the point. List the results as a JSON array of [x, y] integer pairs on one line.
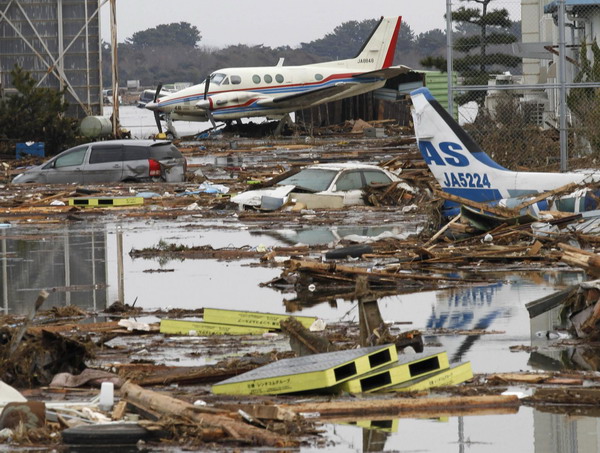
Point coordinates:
[[350, 184], [105, 164], [66, 168]]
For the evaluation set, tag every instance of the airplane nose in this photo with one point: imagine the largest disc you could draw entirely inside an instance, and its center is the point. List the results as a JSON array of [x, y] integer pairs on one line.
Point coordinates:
[[152, 106]]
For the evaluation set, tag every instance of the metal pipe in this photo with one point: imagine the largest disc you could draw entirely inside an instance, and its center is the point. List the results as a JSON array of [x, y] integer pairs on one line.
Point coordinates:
[[61, 42], [449, 57], [562, 80]]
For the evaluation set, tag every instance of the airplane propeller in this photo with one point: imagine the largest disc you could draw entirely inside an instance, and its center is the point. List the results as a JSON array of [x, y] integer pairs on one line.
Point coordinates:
[[206, 87], [208, 112], [156, 112]]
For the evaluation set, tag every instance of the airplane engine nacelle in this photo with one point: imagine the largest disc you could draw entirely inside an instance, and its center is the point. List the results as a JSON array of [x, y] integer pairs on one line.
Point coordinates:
[[221, 100]]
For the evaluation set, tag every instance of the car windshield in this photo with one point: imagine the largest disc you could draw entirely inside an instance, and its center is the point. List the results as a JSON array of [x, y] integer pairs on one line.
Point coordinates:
[[312, 179]]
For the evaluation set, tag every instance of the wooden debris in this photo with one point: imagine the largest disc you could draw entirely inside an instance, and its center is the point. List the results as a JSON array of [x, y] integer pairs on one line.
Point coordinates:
[[303, 341], [520, 377], [396, 406], [167, 406]]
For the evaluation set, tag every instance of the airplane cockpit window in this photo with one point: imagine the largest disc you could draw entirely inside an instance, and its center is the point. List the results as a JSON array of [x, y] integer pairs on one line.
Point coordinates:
[[256, 78], [217, 78], [226, 81], [235, 79], [267, 78], [279, 78], [318, 77]]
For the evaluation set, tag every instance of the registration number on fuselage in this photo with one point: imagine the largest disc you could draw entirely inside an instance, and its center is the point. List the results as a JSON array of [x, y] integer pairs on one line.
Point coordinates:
[[468, 180]]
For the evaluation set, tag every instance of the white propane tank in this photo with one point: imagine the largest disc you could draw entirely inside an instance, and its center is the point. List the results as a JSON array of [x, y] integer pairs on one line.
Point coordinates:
[[95, 126]]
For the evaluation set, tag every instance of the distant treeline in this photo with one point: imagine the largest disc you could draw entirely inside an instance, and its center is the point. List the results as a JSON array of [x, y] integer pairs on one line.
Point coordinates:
[[174, 53]]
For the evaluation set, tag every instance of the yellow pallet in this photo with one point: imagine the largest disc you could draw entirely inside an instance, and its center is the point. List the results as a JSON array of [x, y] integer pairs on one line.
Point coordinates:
[[251, 318], [388, 425], [105, 202], [408, 367], [455, 375], [311, 372], [200, 328]]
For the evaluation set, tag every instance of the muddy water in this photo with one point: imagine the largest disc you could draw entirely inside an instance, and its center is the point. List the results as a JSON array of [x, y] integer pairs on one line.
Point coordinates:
[[83, 265]]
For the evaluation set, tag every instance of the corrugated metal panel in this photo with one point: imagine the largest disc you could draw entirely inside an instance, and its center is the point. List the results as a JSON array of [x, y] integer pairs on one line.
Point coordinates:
[[34, 34], [437, 82]]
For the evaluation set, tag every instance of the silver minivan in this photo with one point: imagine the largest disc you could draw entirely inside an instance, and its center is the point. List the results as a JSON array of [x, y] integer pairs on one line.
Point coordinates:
[[111, 161]]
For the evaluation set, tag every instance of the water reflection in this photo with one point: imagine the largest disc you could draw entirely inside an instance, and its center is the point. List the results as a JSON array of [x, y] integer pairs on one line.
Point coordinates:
[[84, 265], [552, 356], [315, 235], [528, 431], [69, 262]]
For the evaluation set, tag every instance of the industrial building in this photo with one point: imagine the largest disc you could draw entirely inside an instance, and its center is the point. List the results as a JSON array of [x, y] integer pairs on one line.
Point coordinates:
[[58, 42]]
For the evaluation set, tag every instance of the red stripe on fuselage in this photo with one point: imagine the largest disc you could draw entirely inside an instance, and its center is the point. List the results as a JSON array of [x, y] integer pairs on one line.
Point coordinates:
[[332, 77], [389, 58]]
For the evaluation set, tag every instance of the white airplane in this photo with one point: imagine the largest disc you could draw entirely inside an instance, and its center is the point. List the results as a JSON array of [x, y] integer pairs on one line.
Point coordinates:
[[275, 91], [462, 168]]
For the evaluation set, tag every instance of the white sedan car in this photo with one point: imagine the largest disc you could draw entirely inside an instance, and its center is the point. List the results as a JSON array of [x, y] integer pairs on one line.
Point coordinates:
[[319, 186]]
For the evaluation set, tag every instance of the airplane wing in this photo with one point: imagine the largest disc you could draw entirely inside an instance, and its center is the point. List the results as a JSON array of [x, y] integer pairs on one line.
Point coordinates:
[[307, 97], [385, 73]]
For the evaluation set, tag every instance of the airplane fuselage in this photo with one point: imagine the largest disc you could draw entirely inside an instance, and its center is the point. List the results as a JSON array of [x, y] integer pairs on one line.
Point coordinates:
[[237, 92], [273, 91]]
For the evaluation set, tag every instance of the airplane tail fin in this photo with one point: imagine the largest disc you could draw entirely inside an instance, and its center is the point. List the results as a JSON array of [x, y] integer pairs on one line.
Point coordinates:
[[462, 168], [458, 163], [378, 50]]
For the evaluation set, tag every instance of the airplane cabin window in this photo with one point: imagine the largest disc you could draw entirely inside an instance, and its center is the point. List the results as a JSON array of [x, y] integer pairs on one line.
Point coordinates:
[[267, 78], [235, 79], [279, 78], [256, 78], [217, 78], [318, 77]]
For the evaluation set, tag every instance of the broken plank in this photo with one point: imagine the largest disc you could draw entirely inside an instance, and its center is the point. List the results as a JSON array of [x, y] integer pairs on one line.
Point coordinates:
[[542, 196], [503, 212], [395, 406]]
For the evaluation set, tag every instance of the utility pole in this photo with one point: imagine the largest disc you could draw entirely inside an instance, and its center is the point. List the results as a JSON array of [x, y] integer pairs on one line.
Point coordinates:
[[115, 67]]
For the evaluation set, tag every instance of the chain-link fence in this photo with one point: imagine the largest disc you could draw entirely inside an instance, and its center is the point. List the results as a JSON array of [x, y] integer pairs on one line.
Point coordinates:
[[528, 85]]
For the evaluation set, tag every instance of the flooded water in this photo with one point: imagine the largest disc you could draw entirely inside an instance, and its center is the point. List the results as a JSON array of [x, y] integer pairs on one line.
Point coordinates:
[[88, 264], [528, 431], [142, 124]]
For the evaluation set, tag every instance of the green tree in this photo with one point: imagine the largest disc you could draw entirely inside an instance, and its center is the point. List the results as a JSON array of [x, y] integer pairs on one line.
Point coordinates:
[[182, 33], [483, 31], [431, 42], [346, 40], [36, 114]]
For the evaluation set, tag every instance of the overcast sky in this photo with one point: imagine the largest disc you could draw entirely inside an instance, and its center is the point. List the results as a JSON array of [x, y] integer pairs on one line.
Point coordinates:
[[271, 23]]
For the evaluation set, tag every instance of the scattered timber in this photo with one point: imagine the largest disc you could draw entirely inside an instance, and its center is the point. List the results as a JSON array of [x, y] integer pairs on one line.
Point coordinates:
[[169, 407]]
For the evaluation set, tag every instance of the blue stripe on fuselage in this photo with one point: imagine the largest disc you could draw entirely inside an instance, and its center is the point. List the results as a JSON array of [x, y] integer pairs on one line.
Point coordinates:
[[479, 195], [278, 89]]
